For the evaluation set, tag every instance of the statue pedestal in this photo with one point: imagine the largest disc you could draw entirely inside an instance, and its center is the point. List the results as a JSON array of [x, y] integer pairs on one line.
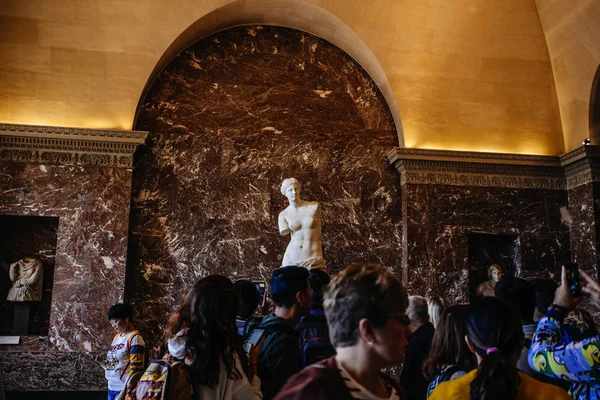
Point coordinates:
[[21, 318]]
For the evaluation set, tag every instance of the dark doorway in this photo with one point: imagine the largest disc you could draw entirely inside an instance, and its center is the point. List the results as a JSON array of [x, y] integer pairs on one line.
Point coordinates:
[[20, 237], [486, 249]]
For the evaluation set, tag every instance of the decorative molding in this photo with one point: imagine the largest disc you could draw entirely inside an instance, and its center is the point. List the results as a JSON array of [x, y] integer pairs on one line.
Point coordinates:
[[472, 157], [460, 168], [582, 166], [59, 145]]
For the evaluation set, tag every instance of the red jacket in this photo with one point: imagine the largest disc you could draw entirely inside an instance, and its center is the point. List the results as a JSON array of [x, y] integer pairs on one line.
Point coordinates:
[[322, 381]]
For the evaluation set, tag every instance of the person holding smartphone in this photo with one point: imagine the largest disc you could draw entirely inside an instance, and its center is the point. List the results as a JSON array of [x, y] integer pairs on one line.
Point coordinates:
[[579, 361], [126, 354], [251, 299]]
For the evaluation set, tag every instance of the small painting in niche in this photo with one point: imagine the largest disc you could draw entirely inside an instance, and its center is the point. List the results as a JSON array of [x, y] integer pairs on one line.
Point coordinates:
[[27, 258], [486, 250]]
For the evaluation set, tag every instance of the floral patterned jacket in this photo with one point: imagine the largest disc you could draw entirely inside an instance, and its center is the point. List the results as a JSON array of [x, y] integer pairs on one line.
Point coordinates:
[[577, 362]]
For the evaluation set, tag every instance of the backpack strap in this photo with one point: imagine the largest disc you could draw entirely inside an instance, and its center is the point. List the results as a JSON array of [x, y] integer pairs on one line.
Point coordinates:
[[449, 372], [135, 333], [313, 322]]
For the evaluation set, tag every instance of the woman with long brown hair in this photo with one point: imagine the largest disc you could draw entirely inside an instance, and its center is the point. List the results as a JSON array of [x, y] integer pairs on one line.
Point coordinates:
[[204, 333], [449, 357]]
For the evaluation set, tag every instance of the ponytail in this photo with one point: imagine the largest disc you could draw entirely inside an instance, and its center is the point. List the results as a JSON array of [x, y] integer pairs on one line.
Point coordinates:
[[495, 380], [494, 332]]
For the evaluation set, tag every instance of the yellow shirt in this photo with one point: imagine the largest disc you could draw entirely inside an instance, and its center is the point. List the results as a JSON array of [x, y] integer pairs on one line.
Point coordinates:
[[529, 389]]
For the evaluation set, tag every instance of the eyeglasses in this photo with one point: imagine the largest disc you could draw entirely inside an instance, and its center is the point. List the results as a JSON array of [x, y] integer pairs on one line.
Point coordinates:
[[401, 319]]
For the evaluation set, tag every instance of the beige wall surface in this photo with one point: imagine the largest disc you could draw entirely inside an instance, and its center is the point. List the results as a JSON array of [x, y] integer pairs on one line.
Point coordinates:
[[465, 74], [572, 29]]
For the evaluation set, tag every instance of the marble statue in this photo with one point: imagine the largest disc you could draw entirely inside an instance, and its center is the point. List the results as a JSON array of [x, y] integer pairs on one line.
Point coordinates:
[[486, 289], [302, 220], [26, 275]]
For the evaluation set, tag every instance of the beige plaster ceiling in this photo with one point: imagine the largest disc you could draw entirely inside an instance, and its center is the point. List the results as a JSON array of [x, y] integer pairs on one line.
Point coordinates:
[[459, 74], [572, 29]]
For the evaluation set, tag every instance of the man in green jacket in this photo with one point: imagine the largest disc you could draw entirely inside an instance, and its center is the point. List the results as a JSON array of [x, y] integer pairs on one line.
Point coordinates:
[[279, 356]]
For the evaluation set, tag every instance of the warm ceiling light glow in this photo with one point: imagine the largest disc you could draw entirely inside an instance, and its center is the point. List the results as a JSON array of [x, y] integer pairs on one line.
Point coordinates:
[[534, 149]]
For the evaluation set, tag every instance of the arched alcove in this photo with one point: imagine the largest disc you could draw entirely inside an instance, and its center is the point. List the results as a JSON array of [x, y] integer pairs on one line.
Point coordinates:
[[229, 118], [595, 109], [296, 14]]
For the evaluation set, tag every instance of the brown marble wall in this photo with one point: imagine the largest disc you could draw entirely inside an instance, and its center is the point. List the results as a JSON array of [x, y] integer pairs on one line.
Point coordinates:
[[92, 204], [584, 212], [438, 219], [229, 119]]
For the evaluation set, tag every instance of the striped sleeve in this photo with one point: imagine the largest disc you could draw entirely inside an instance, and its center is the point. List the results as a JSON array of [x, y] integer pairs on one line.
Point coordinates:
[[137, 353]]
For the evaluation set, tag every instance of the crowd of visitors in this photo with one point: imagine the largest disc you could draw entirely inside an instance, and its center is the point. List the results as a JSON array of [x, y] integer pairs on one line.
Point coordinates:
[[332, 338]]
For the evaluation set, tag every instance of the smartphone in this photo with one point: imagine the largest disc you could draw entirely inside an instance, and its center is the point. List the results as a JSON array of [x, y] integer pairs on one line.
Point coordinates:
[[261, 286], [254, 338], [573, 279]]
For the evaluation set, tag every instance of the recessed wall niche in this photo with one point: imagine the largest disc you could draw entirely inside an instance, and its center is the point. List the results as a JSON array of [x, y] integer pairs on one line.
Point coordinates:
[[486, 249], [26, 238]]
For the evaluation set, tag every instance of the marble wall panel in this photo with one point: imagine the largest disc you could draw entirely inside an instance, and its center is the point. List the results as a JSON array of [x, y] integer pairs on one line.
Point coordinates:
[[37, 371], [583, 212], [92, 204], [584, 216], [438, 219], [229, 119]]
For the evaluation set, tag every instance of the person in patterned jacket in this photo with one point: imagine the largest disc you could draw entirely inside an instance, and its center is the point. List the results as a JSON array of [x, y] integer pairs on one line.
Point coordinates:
[[577, 362]]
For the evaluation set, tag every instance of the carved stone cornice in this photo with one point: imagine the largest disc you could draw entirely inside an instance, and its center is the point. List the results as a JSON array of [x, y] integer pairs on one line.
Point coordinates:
[[461, 168], [58, 145], [581, 165]]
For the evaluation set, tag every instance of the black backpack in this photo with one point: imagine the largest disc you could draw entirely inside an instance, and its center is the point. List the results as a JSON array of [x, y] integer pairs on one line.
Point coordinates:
[[313, 333]]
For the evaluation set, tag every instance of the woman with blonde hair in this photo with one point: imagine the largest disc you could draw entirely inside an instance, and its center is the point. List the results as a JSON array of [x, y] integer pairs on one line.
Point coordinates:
[[435, 306]]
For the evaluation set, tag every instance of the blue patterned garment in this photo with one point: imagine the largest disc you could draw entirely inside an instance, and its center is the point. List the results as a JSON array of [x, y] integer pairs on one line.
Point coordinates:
[[577, 362], [447, 373]]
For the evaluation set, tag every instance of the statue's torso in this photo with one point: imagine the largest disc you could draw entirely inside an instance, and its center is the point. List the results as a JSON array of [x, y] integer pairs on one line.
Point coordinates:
[[305, 228]]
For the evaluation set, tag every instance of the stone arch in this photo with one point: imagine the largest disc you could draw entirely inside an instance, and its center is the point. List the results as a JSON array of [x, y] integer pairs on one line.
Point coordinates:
[[205, 188], [296, 14], [595, 109]]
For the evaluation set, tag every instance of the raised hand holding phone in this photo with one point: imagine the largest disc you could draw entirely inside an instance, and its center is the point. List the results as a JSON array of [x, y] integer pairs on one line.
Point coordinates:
[[252, 346], [573, 279], [563, 296]]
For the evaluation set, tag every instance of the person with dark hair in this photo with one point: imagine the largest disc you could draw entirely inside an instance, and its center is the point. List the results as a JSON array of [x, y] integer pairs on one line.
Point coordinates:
[[419, 343], [365, 306], [315, 344], [578, 361], [544, 294], [449, 357], [495, 336], [250, 297], [127, 350], [279, 356], [521, 295], [545, 289], [202, 331]]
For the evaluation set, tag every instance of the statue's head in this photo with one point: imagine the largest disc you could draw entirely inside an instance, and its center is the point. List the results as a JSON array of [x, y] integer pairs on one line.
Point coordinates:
[[31, 262], [290, 188], [495, 272]]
